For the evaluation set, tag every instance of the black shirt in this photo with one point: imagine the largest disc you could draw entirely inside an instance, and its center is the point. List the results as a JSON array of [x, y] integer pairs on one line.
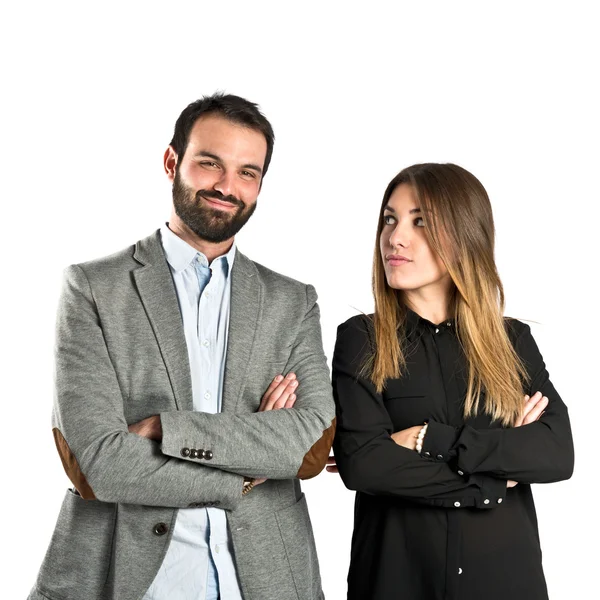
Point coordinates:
[[442, 525]]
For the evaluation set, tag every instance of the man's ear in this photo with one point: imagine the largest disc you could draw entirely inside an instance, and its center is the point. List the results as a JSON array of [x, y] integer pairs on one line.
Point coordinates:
[[170, 163]]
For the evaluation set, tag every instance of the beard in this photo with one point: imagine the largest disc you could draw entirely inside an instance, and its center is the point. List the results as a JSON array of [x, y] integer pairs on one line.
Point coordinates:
[[210, 224]]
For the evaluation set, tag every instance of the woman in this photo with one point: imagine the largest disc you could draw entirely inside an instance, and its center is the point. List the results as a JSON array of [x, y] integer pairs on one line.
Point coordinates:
[[445, 410]]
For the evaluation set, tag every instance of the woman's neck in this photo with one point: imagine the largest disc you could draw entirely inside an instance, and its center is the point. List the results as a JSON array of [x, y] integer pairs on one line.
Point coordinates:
[[429, 304]]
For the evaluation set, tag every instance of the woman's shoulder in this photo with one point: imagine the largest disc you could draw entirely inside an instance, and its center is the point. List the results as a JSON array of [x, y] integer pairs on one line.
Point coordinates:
[[357, 326], [516, 328]]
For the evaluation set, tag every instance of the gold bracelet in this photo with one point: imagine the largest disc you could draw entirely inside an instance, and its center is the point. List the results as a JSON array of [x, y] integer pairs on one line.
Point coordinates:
[[248, 485]]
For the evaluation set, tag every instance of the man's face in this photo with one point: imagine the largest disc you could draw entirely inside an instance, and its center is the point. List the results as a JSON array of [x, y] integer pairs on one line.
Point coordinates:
[[217, 181]]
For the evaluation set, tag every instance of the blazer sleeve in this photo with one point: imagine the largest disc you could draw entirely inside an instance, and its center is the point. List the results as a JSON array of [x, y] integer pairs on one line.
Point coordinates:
[[276, 444], [541, 452], [103, 460], [367, 457]]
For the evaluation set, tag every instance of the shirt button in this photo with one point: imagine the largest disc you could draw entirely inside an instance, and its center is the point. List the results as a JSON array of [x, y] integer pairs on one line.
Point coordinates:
[[207, 395], [217, 548], [160, 529], [439, 457], [428, 454], [460, 473], [486, 501], [448, 324], [206, 343], [437, 330], [499, 500], [457, 504]]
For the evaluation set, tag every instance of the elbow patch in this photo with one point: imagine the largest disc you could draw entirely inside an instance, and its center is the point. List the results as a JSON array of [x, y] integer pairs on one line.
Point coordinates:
[[315, 459], [71, 466]]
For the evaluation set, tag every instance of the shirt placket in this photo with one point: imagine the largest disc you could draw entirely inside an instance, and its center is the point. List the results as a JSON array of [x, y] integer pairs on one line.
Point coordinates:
[[446, 352]]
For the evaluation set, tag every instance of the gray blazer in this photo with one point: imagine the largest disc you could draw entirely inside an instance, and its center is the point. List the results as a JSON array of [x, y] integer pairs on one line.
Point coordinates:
[[120, 357]]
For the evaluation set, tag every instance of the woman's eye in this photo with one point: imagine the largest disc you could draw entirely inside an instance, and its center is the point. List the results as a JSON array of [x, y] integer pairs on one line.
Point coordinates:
[[389, 220], [419, 222]]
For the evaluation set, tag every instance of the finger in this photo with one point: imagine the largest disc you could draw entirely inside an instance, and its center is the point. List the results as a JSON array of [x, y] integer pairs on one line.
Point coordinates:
[[536, 411], [331, 460], [287, 392], [276, 393], [530, 403], [332, 469], [290, 401], [276, 381]]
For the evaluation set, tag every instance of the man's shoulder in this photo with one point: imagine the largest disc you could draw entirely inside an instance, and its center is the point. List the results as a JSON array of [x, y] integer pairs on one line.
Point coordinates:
[[122, 260], [274, 279]]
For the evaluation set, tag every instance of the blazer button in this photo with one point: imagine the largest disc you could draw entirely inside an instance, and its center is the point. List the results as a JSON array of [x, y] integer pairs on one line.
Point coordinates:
[[193, 453], [161, 528], [439, 457], [201, 454], [208, 454], [427, 454], [185, 452]]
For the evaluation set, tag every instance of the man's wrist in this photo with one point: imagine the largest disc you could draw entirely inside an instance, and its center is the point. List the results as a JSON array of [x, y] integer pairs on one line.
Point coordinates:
[[248, 485]]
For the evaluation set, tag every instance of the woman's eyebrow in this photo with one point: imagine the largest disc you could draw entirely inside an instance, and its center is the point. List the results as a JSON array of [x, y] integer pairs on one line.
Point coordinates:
[[412, 211]]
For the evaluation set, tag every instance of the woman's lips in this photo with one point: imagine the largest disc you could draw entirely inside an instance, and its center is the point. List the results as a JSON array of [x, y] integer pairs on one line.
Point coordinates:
[[396, 261]]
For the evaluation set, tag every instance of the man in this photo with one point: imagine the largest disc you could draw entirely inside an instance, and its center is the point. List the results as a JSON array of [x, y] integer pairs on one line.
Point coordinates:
[[161, 419]]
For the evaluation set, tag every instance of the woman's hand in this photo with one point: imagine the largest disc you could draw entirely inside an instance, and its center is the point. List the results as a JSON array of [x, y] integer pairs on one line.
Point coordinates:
[[407, 437], [533, 409]]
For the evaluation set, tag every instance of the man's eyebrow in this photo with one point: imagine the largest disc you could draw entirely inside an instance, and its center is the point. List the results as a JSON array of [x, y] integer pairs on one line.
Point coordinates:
[[206, 154], [253, 168], [412, 211]]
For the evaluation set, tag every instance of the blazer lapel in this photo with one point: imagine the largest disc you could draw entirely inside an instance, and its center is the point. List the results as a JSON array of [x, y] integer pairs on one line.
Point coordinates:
[[245, 305], [157, 291]]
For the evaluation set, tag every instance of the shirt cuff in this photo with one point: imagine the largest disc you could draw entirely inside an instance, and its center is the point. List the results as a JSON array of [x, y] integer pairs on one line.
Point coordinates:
[[492, 490], [438, 441]]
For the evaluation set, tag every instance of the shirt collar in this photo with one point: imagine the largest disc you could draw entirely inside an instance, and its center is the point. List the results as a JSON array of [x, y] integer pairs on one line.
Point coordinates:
[[415, 322], [180, 255]]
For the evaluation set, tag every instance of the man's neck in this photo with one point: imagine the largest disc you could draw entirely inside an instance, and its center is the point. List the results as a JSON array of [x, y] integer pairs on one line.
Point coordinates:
[[209, 249]]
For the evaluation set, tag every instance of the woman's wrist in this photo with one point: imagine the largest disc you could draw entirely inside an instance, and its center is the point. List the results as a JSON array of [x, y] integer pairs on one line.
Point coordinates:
[[421, 438]]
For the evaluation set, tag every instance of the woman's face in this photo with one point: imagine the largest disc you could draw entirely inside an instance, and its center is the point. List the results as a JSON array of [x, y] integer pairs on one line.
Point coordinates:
[[409, 261]]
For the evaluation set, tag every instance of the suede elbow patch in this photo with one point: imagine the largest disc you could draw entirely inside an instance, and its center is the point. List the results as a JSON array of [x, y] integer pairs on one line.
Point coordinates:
[[71, 466], [315, 459]]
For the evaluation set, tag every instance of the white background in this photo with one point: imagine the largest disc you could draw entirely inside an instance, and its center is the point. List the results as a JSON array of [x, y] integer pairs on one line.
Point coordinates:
[[355, 91]]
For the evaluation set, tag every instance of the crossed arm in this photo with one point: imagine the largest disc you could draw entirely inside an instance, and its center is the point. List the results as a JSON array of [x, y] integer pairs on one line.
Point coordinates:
[[106, 461], [478, 465]]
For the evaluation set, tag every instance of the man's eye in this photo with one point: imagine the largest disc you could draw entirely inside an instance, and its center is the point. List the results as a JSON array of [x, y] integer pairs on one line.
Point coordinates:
[[248, 174], [389, 220], [209, 163]]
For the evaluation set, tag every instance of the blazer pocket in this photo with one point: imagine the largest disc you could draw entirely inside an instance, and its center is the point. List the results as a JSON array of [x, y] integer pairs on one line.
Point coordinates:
[[78, 558], [299, 543]]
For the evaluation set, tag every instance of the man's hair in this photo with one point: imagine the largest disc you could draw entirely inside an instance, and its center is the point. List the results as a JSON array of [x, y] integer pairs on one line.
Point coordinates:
[[233, 108]]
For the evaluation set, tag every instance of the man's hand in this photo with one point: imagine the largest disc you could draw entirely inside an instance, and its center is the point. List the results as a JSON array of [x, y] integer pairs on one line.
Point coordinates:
[[150, 428], [280, 394], [331, 465]]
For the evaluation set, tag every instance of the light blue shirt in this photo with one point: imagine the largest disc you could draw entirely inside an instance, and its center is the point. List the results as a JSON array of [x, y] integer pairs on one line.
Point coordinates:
[[200, 540]]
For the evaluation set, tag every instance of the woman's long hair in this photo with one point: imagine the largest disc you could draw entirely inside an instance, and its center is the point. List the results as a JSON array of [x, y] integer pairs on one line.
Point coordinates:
[[459, 226]]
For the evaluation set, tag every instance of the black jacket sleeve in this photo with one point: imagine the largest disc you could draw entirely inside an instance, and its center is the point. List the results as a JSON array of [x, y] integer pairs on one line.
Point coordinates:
[[541, 452], [370, 461]]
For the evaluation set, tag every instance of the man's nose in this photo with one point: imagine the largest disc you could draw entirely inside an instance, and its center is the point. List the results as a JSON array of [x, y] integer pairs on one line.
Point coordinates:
[[226, 184]]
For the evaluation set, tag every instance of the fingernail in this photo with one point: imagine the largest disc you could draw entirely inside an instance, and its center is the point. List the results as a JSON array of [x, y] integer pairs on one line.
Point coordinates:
[[279, 378], [291, 376], [293, 397], [294, 383], [526, 397]]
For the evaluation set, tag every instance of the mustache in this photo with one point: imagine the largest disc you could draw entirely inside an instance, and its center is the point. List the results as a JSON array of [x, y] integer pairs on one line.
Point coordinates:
[[219, 196]]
